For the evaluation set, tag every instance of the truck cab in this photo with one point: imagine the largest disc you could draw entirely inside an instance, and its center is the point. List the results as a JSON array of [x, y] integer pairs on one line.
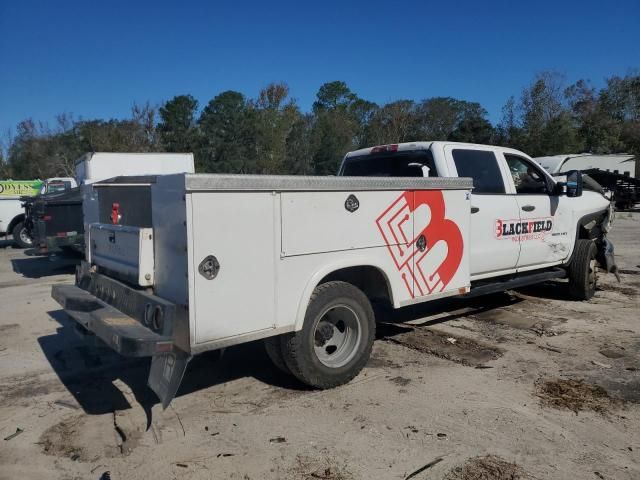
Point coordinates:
[[522, 218]]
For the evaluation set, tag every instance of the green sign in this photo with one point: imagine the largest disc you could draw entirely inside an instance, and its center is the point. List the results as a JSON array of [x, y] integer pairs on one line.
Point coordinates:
[[15, 188]]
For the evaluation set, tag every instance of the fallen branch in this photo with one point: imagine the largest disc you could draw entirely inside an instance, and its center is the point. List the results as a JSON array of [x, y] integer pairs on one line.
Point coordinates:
[[423, 468]]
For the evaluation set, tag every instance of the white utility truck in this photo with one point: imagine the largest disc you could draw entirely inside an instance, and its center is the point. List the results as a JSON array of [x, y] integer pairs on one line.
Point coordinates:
[[298, 261]]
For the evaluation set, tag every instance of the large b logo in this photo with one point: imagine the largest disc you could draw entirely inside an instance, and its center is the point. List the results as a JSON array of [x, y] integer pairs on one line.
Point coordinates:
[[425, 246]]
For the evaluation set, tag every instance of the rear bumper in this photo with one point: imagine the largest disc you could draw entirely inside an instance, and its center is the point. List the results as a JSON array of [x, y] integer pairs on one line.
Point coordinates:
[[119, 316], [121, 332]]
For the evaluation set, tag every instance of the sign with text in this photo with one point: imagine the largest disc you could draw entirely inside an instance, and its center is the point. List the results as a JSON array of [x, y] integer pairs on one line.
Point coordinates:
[[16, 188]]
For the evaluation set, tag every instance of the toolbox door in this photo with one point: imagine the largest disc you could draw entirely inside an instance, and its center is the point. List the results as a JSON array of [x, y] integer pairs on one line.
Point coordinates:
[[234, 252]]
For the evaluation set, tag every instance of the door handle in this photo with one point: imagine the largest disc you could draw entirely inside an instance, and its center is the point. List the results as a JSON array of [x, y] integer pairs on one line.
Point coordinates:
[[528, 208], [475, 209]]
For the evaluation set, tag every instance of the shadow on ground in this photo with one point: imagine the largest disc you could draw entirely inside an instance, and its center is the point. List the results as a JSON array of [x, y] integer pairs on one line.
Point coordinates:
[[38, 267], [8, 244], [88, 368]]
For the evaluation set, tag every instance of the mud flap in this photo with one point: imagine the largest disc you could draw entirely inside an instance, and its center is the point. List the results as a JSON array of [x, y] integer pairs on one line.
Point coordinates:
[[166, 374]]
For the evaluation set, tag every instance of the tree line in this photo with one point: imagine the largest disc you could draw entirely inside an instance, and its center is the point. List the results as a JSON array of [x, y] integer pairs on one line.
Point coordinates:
[[270, 134]]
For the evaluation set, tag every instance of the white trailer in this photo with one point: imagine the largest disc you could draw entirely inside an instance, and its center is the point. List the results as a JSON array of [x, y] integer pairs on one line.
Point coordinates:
[[97, 166], [298, 261], [621, 163]]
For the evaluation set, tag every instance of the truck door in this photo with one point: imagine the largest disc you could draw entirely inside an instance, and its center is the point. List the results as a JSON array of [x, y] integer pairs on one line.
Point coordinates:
[[544, 225], [491, 207]]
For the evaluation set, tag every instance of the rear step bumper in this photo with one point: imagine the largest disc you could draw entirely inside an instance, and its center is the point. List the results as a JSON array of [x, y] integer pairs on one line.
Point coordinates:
[[122, 333]]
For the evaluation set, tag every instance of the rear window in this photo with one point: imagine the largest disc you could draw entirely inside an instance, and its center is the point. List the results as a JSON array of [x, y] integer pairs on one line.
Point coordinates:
[[58, 186], [482, 166], [402, 164]]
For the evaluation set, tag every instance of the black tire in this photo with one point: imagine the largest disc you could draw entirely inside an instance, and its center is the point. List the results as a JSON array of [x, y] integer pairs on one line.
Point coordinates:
[[338, 312], [274, 350], [582, 270], [20, 236]]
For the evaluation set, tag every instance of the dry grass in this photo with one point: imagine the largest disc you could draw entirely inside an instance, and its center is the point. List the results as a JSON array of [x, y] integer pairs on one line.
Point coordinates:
[[307, 468], [489, 467], [574, 395]]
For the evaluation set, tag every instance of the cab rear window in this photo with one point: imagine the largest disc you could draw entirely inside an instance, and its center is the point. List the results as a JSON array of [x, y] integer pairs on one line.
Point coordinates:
[[482, 166], [402, 164]]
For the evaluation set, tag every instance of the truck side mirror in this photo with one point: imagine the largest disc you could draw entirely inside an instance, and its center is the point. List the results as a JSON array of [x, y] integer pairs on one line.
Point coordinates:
[[574, 183]]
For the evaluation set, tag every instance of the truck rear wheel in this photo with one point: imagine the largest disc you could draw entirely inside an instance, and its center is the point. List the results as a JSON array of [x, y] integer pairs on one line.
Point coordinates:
[[336, 338], [582, 270], [21, 236], [273, 347]]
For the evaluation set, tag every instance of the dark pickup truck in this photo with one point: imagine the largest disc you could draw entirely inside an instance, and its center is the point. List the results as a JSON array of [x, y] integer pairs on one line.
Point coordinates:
[[54, 221]]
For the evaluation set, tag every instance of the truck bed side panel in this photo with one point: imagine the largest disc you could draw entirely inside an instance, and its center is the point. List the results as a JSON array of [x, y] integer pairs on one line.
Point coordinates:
[[239, 230], [316, 222]]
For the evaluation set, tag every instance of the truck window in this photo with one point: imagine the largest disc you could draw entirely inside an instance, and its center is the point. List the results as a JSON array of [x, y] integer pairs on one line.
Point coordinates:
[[60, 186], [402, 164], [482, 166], [527, 178]]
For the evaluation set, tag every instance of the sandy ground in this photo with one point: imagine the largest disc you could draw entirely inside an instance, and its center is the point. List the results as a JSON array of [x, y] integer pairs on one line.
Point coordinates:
[[517, 385]]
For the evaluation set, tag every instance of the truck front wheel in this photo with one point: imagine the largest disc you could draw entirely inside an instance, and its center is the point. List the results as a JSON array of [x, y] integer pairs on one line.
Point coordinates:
[[21, 236], [582, 270], [336, 338]]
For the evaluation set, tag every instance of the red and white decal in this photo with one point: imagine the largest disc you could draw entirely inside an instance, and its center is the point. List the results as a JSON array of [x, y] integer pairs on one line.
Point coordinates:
[[410, 216], [523, 230]]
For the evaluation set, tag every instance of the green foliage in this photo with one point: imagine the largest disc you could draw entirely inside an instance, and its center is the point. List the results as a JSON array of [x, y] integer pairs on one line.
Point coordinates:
[[177, 128], [275, 117], [270, 135], [228, 135]]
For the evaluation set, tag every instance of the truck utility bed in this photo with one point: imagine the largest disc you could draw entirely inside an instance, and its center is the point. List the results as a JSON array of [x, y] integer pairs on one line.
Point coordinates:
[[233, 258]]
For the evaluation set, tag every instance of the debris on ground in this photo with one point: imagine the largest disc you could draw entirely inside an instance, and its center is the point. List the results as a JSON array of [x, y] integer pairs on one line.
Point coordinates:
[[278, 440], [464, 350], [600, 364], [15, 434], [423, 468], [401, 381], [574, 395], [489, 467], [307, 468], [66, 403]]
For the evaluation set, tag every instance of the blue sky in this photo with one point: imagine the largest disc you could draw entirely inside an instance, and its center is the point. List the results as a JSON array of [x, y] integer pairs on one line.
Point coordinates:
[[94, 59]]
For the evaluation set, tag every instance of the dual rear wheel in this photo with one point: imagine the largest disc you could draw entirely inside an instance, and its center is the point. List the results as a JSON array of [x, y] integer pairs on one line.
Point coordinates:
[[335, 341]]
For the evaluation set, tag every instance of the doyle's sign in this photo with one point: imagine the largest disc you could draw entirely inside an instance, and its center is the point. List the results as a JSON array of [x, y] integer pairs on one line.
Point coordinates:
[[13, 188]]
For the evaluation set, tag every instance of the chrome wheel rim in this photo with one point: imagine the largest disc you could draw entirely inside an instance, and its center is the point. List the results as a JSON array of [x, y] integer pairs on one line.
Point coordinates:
[[337, 335], [24, 237]]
